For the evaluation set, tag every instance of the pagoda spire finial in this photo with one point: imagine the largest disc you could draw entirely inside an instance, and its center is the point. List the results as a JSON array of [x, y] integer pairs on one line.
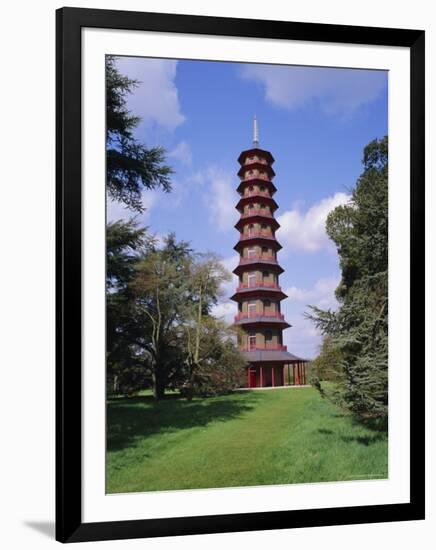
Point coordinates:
[[255, 132]]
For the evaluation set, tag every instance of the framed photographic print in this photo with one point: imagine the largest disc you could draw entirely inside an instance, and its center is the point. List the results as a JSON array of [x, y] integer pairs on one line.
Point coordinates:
[[240, 274]]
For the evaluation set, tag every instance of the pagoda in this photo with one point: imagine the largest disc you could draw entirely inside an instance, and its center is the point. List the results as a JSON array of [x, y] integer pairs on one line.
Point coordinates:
[[258, 293]]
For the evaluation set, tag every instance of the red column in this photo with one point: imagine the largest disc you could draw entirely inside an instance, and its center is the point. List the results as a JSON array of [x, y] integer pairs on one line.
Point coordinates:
[[293, 374], [261, 378], [304, 371], [272, 376], [248, 377], [299, 374], [284, 376]]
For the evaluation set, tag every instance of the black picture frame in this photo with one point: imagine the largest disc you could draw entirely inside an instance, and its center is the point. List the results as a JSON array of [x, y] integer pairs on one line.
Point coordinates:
[[69, 525]]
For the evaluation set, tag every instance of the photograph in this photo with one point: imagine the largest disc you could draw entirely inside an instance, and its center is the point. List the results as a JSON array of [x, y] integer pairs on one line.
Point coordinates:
[[246, 274]]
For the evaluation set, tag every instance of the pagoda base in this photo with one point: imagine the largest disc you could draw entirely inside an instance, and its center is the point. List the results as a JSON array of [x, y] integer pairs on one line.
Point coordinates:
[[267, 374]]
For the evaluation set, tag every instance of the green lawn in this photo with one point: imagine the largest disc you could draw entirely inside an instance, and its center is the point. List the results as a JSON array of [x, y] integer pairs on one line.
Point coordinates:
[[246, 438]]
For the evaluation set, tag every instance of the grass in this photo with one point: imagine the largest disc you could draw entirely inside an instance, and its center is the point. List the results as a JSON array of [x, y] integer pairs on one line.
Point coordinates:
[[247, 438]]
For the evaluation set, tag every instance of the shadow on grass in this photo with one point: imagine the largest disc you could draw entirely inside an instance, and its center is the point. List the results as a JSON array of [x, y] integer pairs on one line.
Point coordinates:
[[366, 440], [136, 417], [377, 432]]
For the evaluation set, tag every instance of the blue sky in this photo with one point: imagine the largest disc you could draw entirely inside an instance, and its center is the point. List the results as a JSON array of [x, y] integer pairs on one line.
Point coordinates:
[[315, 121]]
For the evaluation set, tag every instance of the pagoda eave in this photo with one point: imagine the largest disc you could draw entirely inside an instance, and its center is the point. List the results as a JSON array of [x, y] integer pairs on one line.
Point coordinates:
[[249, 266], [246, 199], [257, 218], [256, 166], [249, 293], [263, 322], [271, 241], [271, 356], [256, 181], [255, 151]]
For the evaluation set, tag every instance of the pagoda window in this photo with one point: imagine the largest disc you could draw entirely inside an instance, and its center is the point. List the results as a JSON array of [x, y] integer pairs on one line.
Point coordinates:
[[251, 188], [252, 341], [250, 206], [268, 335], [265, 275], [264, 251], [251, 252], [252, 306], [250, 229], [251, 279], [267, 306]]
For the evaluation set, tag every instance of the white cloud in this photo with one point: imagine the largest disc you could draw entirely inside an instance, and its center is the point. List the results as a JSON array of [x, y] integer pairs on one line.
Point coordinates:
[[306, 230], [219, 196], [156, 98], [228, 288], [117, 211], [182, 152], [303, 338], [335, 91], [225, 311], [322, 294]]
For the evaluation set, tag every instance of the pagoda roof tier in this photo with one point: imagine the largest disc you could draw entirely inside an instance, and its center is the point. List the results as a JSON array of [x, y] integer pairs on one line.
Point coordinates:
[[271, 356], [261, 320], [256, 151], [256, 181], [258, 291], [256, 165], [248, 264], [259, 217], [259, 196], [257, 238]]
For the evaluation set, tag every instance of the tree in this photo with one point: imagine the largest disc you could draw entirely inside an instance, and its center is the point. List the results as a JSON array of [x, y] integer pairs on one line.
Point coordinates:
[[359, 328], [125, 371], [219, 366], [130, 165], [211, 359], [327, 366], [160, 289]]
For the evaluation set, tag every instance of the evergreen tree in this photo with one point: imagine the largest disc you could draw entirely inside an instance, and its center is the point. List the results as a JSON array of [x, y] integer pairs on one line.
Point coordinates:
[[126, 372], [359, 328], [130, 165]]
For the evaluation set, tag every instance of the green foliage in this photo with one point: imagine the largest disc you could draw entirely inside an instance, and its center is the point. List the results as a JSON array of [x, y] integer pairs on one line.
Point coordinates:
[[125, 369], [160, 330], [212, 362], [327, 366], [130, 165], [160, 290], [219, 366], [359, 329]]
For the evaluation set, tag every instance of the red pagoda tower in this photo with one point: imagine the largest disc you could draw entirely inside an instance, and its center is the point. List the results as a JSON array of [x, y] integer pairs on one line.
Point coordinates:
[[259, 294]]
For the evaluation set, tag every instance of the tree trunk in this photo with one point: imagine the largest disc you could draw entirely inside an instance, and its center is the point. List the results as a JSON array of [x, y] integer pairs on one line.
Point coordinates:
[[158, 386]]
